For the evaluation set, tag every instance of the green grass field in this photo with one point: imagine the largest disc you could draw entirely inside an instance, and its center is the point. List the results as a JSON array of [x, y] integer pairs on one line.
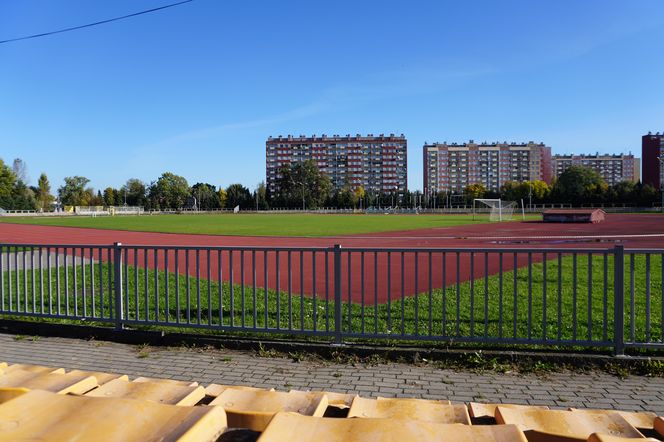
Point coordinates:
[[259, 224], [568, 315]]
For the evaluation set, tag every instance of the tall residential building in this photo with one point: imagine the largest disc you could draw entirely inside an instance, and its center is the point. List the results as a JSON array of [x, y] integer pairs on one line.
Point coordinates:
[[379, 164], [613, 168], [652, 147], [452, 167]]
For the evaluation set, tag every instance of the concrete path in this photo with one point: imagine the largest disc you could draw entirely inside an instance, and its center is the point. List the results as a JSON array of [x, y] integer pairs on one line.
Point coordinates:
[[558, 390]]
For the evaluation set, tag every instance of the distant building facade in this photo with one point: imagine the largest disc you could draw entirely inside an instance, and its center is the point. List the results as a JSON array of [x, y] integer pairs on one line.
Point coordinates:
[[652, 147], [377, 163], [613, 168], [452, 167]]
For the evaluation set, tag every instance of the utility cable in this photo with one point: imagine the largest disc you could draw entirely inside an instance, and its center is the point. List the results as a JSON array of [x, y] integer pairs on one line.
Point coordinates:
[[147, 11]]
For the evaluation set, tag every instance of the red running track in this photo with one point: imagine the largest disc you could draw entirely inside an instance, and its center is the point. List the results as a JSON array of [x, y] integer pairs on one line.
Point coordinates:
[[405, 277]]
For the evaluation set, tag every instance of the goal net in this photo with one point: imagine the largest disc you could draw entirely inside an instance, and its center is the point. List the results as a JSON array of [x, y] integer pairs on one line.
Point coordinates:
[[497, 209]]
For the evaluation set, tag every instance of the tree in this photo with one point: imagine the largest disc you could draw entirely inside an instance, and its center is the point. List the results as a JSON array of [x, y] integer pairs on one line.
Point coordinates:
[[646, 195], [302, 183], [169, 191], [135, 192], [474, 191], [344, 198], [579, 185], [261, 197], [110, 196], [525, 190], [359, 195], [206, 196], [222, 196], [238, 195], [23, 197], [20, 170], [74, 192], [96, 200], [540, 190], [7, 180], [44, 197]]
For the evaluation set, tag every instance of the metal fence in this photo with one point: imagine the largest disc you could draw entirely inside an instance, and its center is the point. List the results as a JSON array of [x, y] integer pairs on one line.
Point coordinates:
[[586, 297]]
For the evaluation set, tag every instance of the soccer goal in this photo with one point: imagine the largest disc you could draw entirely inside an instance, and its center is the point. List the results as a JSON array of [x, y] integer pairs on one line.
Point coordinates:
[[497, 209]]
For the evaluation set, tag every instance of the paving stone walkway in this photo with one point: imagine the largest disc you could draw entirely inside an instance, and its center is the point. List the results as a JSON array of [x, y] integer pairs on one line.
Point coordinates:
[[557, 390]]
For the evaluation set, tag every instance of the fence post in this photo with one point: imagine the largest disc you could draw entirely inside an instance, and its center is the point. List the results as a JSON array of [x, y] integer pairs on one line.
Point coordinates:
[[117, 283], [337, 295], [619, 300]]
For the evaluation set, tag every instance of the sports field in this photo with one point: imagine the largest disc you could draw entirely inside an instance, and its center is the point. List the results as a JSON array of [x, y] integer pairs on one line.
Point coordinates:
[[259, 224], [442, 275]]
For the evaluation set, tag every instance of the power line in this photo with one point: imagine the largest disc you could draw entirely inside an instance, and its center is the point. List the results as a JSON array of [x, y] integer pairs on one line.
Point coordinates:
[[147, 11]]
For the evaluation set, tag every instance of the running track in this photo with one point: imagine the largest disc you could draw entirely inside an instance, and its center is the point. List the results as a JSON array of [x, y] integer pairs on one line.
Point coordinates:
[[637, 231]]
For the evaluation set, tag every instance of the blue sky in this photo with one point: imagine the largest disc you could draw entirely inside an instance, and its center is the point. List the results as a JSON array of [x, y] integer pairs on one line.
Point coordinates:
[[197, 89]]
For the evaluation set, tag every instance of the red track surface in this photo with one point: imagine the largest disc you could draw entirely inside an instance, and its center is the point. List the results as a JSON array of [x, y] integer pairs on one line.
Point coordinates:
[[638, 231]]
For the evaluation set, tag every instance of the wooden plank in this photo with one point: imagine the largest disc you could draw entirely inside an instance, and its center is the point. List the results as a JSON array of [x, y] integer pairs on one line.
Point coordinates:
[[214, 390], [101, 377], [481, 410], [659, 425], [9, 393], [296, 427], [339, 400], [159, 392], [559, 425], [254, 409], [75, 383], [34, 368], [638, 419], [40, 415], [441, 412], [167, 381], [598, 437]]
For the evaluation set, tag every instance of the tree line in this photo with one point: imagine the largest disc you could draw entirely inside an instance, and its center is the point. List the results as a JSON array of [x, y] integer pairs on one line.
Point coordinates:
[[303, 185], [576, 186]]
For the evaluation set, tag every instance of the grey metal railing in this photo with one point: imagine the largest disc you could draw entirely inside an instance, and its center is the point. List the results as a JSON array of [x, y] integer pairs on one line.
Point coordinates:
[[586, 297]]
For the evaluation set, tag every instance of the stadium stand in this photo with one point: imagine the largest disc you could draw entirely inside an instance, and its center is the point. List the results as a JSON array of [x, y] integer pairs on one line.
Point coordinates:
[[48, 403]]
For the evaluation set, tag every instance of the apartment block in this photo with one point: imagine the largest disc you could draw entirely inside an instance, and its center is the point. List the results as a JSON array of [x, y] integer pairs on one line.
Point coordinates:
[[377, 163], [613, 168], [452, 167], [652, 151]]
